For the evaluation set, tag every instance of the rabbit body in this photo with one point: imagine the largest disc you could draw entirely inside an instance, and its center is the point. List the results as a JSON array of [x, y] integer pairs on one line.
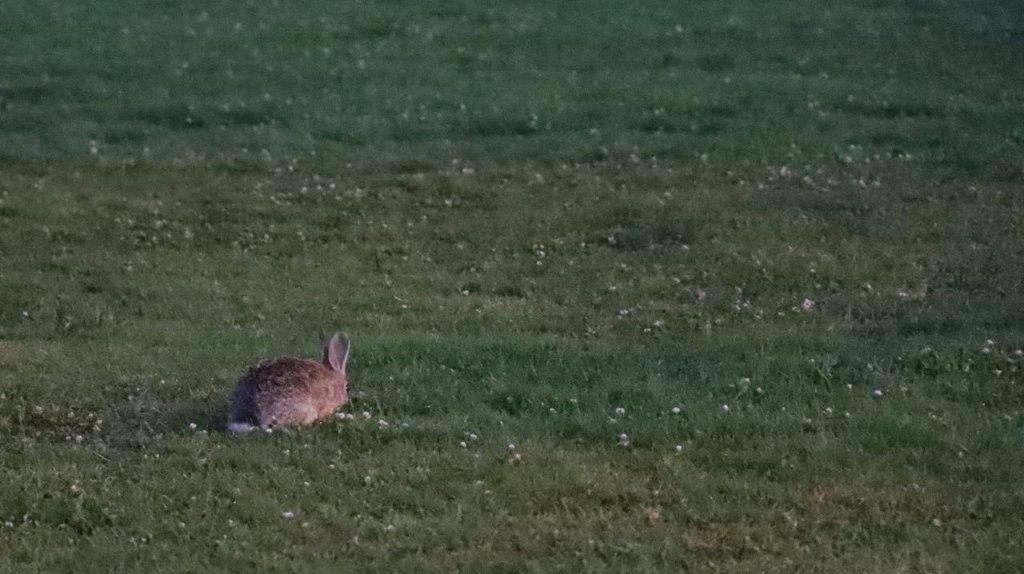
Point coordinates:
[[287, 391]]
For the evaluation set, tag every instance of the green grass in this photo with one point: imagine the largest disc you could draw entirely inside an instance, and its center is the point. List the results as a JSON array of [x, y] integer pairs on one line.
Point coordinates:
[[526, 215]]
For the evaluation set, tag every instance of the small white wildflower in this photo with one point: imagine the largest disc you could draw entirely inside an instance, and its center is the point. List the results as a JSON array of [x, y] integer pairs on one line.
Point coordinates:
[[877, 392], [79, 438], [676, 410], [383, 424], [679, 448], [366, 414], [619, 411], [8, 524], [472, 436], [192, 426], [511, 446], [807, 305], [623, 439], [24, 314], [288, 515], [462, 444], [725, 408]]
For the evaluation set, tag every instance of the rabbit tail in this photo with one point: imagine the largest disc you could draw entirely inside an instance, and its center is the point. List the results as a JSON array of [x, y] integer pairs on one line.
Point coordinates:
[[241, 428]]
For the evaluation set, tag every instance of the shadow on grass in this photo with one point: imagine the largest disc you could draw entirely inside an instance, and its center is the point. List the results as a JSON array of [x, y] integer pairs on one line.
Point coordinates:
[[207, 414]]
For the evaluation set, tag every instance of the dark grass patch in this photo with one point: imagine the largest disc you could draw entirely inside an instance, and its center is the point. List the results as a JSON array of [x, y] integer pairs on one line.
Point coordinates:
[[186, 117], [715, 63], [890, 110]]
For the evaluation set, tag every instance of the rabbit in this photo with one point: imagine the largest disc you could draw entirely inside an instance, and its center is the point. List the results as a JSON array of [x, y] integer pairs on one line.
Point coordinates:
[[286, 391]]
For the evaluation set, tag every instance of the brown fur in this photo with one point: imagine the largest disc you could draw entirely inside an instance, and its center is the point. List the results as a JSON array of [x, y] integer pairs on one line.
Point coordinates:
[[287, 391]]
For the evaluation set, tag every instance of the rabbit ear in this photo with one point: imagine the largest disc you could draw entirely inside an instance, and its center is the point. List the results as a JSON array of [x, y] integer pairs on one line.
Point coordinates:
[[336, 352]]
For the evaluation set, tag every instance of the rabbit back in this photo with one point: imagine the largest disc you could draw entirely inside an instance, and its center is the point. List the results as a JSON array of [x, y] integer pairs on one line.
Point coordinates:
[[287, 392]]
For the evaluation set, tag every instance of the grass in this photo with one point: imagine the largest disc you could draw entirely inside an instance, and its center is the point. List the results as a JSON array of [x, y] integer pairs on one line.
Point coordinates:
[[526, 216]]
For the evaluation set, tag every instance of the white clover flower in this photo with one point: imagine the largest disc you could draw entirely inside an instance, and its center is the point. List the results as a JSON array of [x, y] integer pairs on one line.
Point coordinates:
[[877, 392], [288, 515], [679, 448], [619, 411], [676, 410], [725, 408]]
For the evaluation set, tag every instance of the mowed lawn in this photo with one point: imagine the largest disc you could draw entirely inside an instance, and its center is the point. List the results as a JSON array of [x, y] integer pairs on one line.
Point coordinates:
[[632, 286]]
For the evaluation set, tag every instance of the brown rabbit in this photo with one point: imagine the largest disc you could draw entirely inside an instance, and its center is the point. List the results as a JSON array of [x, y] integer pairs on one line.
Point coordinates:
[[286, 391]]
